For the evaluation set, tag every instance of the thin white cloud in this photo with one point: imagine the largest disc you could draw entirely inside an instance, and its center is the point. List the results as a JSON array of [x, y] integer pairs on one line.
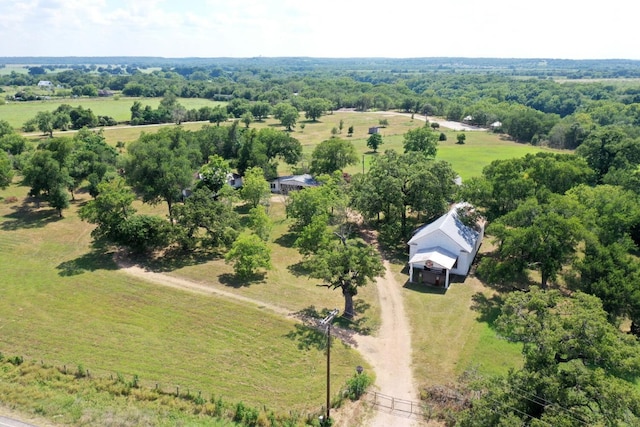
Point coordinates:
[[337, 28]]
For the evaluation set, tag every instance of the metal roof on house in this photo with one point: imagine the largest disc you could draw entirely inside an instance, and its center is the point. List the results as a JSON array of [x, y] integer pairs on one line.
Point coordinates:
[[449, 224], [303, 180]]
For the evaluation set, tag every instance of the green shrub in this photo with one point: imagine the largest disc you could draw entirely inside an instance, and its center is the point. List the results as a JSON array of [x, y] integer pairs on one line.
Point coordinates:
[[357, 385], [16, 360], [134, 381], [142, 233], [81, 372]]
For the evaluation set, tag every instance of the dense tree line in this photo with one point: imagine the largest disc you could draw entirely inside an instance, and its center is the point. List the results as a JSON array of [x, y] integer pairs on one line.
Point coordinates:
[[540, 111], [569, 222]]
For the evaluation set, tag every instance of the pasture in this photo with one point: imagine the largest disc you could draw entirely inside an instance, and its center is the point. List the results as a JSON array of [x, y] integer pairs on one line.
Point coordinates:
[[468, 159], [66, 302], [17, 113]]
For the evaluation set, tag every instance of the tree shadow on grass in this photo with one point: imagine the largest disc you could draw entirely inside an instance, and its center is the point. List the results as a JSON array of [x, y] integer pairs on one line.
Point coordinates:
[[286, 240], [299, 269], [173, 259], [242, 209], [25, 217], [98, 259], [488, 308], [308, 337], [392, 250], [358, 323], [236, 281], [311, 334], [342, 328], [500, 276]]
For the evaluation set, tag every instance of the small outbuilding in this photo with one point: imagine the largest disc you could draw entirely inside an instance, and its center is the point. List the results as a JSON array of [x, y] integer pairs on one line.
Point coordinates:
[[234, 180], [444, 247]]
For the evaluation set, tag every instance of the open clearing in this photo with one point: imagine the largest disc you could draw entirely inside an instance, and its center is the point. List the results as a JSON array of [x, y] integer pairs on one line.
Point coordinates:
[[17, 113], [66, 303]]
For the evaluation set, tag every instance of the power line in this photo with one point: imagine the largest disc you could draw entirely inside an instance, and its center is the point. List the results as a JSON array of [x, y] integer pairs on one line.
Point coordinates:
[[502, 404], [544, 402]]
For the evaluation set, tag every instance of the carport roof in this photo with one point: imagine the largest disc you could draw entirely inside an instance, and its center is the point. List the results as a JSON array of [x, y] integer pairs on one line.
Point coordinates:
[[437, 255]]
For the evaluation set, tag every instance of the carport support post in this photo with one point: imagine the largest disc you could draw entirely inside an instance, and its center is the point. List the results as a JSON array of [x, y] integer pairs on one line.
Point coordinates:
[[410, 272], [447, 280]]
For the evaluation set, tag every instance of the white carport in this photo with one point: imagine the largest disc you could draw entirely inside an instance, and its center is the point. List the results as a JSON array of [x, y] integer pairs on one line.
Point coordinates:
[[434, 259]]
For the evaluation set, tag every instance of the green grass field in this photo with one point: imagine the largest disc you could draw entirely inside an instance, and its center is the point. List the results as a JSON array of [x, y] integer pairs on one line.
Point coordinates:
[[18, 68], [65, 303], [17, 113]]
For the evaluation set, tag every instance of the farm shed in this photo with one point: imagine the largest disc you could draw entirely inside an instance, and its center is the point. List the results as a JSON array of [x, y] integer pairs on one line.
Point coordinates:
[[445, 246], [285, 184]]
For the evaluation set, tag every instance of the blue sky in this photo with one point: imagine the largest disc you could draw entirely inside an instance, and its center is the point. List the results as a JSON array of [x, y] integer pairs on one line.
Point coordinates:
[[326, 28]]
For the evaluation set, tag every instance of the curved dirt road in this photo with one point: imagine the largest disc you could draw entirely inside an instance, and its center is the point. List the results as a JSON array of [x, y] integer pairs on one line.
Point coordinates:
[[190, 286]]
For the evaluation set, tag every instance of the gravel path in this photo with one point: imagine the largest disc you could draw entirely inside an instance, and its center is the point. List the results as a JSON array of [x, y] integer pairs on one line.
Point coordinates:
[[389, 352]]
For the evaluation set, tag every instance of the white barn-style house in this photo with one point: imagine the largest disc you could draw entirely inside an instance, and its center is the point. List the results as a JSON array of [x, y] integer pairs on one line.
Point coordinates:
[[444, 247]]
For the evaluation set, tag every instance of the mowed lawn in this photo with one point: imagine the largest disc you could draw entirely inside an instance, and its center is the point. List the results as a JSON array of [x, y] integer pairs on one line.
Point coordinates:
[[65, 304]]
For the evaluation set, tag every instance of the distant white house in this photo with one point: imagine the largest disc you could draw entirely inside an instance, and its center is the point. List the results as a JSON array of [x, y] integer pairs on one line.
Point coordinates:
[[234, 180], [445, 246], [45, 84], [285, 184], [495, 125]]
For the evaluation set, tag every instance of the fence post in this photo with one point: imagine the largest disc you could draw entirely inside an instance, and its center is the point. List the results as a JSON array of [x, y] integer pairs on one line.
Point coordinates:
[[393, 403]]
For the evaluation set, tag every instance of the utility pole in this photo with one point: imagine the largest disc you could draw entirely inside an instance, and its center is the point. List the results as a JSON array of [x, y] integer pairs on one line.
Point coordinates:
[[327, 321]]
